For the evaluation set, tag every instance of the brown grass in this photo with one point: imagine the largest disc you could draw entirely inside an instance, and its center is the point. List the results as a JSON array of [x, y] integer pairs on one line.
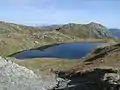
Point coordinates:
[[46, 64]]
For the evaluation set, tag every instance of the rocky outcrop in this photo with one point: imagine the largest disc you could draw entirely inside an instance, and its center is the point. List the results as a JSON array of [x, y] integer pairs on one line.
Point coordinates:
[[112, 81], [15, 77], [96, 79]]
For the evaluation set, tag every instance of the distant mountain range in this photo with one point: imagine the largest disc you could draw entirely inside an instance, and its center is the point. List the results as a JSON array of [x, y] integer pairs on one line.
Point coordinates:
[[91, 30], [115, 32]]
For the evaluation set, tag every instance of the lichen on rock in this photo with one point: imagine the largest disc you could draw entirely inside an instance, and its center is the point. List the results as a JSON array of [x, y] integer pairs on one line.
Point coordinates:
[[15, 77]]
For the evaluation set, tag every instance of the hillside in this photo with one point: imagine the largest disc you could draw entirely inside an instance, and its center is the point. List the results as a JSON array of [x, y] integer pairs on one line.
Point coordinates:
[[100, 70], [15, 37], [89, 73], [91, 30]]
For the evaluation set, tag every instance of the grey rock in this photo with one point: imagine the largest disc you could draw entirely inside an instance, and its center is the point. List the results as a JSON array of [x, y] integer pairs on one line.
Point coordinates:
[[15, 77], [112, 78]]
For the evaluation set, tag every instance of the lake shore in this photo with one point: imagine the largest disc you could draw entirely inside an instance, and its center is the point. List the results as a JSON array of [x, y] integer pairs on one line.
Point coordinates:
[[92, 69]]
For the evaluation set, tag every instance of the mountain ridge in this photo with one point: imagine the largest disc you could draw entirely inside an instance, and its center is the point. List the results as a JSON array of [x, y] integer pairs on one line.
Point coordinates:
[[90, 28], [15, 37]]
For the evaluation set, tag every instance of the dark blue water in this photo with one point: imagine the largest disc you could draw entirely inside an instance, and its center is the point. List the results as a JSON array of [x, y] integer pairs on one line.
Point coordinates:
[[66, 50]]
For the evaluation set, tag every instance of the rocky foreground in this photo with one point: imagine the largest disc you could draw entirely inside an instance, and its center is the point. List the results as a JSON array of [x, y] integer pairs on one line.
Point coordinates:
[[96, 79], [99, 71], [15, 77]]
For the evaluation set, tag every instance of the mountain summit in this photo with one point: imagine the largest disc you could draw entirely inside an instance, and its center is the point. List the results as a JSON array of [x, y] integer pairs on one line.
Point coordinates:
[[91, 30], [15, 37]]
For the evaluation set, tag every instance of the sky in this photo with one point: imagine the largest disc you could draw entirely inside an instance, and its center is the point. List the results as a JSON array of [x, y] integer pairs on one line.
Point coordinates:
[[46, 12]]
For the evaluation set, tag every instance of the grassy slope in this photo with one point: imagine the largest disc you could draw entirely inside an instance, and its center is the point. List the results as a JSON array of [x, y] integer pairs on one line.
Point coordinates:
[[91, 30], [45, 64], [105, 57], [14, 37]]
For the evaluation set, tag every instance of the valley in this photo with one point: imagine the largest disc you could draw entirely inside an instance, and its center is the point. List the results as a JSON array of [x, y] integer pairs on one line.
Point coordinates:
[[81, 56]]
